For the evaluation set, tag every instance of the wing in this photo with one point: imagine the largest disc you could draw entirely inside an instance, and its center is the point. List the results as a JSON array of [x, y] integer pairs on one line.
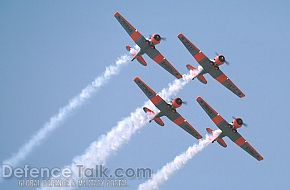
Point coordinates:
[[137, 37], [181, 122], [224, 80], [162, 61], [240, 141], [205, 62], [154, 98], [214, 116]]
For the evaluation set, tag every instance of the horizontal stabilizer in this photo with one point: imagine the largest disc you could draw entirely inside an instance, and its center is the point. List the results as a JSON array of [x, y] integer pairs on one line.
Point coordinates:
[[135, 55], [209, 130], [218, 139], [159, 121], [141, 60], [147, 110], [190, 67], [221, 142], [156, 119], [202, 79]]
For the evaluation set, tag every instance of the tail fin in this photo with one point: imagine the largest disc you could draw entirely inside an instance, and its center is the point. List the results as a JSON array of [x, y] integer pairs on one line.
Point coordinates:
[[200, 77], [218, 139], [156, 119]]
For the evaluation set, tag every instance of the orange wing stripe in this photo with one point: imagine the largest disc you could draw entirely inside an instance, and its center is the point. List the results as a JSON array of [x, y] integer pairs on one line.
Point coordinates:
[[199, 56], [217, 119], [240, 141], [179, 120], [222, 78], [135, 36], [156, 100], [158, 58]]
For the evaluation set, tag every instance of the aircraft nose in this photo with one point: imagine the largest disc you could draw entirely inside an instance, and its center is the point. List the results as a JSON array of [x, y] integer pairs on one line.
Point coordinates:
[[240, 121], [157, 37], [178, 101], [222, 58]]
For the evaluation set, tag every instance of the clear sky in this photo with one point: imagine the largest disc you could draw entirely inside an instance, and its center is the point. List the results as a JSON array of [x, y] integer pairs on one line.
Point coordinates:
[[50, 50]]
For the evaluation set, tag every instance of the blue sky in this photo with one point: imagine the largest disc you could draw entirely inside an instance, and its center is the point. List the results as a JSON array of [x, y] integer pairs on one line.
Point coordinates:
[[50, 50]]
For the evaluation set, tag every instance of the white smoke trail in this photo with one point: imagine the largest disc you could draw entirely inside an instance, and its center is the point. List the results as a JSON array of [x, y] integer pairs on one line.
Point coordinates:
[[98, 152], [76, 102], [166, 171]]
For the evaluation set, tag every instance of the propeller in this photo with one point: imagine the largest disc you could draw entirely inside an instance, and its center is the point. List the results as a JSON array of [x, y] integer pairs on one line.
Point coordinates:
[[246, 125], [226, 62], [161, 38], [183, 102]]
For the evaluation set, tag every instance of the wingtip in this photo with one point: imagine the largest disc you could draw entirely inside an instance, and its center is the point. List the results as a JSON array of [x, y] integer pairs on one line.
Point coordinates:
[[137, 79], [116, 14], [180, 35], [199, 98]]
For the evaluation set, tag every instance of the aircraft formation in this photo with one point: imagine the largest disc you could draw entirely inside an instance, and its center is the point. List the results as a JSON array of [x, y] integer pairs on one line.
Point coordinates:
[[169, 109]]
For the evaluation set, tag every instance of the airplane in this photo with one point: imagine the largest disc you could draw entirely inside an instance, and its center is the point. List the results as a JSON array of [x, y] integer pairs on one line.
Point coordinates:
[[228, 129], [146, 46], [166, 109], [209, 66]]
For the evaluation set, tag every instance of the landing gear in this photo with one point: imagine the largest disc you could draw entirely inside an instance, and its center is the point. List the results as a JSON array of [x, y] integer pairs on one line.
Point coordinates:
[[173, 110], [234, 130]]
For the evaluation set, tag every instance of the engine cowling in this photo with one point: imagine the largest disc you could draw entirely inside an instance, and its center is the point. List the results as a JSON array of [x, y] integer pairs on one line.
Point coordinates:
[[155, 39], [219, 59], [237, 123], [177, 102]]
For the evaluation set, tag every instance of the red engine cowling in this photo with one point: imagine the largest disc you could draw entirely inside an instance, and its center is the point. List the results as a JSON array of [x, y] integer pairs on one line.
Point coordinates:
[[155, 39], [177, 102], [219, 59], [237, 123]]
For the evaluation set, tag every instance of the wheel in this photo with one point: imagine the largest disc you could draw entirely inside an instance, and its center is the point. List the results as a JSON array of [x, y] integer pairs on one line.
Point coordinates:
[[147, 42], [153, 47], [235, 130], [173, 110], [216, 67]]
